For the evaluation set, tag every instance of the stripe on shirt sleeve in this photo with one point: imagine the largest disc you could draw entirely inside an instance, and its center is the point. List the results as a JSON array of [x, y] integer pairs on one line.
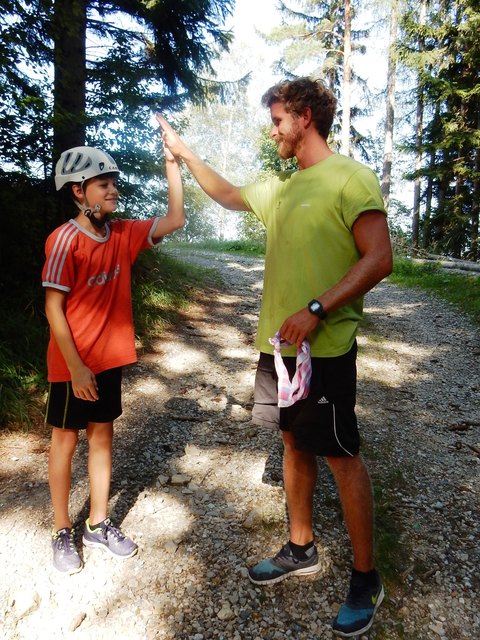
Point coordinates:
[[58, 256]]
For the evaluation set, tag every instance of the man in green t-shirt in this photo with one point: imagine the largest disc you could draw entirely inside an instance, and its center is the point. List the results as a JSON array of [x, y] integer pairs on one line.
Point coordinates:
[[327, 245]]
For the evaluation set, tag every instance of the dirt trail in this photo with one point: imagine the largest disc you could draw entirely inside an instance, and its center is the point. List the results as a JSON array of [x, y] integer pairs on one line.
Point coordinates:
[[199, 487]]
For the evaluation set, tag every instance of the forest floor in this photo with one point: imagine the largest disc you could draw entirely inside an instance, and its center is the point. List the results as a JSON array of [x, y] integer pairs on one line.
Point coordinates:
[[199, 487]]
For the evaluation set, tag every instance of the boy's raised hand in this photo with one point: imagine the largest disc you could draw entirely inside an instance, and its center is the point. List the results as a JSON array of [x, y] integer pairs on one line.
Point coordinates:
[[169, 157]]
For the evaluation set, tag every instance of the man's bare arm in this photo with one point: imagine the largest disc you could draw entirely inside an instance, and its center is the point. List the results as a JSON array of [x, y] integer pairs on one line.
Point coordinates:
[[214, 185], [373, 242]]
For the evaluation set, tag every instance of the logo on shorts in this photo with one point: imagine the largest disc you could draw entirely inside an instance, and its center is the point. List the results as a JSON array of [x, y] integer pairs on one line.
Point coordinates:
[[323, 400]]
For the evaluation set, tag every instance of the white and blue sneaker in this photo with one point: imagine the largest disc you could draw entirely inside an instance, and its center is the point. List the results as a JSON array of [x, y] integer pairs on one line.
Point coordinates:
[[284, 564]]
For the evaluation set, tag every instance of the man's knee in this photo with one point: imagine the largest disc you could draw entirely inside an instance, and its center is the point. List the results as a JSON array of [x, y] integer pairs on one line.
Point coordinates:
[[298, 458], [340, 465]]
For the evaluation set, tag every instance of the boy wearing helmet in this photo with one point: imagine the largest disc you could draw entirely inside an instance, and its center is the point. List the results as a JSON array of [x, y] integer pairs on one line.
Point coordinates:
[[88, 306]]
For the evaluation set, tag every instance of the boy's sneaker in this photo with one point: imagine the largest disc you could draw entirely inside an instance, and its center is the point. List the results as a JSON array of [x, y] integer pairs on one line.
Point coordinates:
[[284, 564], [358, 611], [108, 537], [65, 554]]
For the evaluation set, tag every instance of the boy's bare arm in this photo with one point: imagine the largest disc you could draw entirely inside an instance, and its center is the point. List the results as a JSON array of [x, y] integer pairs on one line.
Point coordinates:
[[83, 380], [175, 218], [214, 185]]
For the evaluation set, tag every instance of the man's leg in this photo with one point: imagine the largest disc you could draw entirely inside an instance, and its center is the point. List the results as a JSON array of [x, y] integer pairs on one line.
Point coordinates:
[[366, 592], [355, 492], [100, 437], [64, 442], [300, 476], [299, 556]]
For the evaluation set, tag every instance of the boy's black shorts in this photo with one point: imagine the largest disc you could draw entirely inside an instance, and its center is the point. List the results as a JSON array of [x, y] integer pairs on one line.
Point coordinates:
[[66, 411], [325, 422]]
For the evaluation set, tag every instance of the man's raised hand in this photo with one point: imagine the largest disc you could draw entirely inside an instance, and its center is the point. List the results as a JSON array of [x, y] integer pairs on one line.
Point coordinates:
[[171, 140]]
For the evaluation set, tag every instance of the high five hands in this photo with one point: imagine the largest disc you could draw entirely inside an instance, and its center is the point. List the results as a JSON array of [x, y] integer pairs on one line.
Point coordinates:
[[171, 141]]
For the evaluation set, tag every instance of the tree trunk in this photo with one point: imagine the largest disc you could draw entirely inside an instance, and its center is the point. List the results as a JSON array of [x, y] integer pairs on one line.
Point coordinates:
[[390, 115], [475, 215], [347, 79], [418, 142], [69, 33], [428, 205], [225, 156]]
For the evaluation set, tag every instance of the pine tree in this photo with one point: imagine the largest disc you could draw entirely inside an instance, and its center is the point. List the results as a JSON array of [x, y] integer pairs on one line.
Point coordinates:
[[317, 38], [447, 69]]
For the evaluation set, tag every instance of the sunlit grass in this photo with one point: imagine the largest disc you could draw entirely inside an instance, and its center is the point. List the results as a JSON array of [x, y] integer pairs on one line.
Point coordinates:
[[22, 357], [462, 291], [161, 289], [241, 247]]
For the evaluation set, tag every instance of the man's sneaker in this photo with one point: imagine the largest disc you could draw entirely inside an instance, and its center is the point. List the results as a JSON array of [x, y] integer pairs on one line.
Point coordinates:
[[108, 537], [65, 554], [284, 564], [358, 611]]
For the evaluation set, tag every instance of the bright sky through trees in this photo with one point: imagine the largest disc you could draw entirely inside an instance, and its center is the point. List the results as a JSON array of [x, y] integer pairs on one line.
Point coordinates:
[[251, 16]]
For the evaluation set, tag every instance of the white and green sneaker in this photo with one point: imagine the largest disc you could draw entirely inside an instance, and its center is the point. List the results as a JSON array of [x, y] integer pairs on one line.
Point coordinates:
[[65, 554], [106, 536]]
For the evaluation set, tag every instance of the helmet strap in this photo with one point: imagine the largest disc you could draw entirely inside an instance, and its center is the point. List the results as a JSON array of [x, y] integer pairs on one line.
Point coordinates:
[[90, 212]]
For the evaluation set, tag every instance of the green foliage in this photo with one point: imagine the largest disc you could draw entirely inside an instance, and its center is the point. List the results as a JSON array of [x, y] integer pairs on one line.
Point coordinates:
[[444, 52], [161, 288], [22, 354], [312, 33], [157, 57], [311, 41], [463, 291]]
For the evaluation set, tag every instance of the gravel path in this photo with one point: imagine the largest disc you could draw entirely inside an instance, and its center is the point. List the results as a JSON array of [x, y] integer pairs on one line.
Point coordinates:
[[199, 488]]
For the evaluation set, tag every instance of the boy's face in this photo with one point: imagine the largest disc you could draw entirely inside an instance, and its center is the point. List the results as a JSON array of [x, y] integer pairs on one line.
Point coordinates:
[[103, 191]]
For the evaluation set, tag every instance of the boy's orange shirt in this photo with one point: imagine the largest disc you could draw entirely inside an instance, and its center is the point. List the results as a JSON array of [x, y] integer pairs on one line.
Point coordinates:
[[95, 274]]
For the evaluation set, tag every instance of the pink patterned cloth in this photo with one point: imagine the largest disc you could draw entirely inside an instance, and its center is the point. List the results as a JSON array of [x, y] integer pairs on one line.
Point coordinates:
[[298, 388]]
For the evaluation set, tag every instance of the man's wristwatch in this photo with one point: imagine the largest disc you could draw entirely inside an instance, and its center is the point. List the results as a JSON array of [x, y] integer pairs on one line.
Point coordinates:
[[316, 307]]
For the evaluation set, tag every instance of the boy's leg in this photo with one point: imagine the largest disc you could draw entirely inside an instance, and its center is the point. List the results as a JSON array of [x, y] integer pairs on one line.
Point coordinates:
[[64, 442], [355, 492], [100, 438], [99, 531]]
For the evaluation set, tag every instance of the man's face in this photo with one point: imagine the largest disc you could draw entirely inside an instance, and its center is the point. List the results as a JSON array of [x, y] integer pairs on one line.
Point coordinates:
[[286, 131]]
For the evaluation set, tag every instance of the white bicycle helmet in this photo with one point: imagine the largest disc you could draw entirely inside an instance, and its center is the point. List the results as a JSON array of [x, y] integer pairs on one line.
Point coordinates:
[[81, 163]]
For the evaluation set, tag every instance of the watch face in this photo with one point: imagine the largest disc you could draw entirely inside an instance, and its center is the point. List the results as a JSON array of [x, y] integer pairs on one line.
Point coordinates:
[[315, 306]]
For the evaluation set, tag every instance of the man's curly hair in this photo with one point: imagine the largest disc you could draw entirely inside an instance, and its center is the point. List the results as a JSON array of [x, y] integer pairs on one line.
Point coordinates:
[[300, 93]]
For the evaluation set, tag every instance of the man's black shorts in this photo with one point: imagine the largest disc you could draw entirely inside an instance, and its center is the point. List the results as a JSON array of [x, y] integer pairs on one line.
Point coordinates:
[[66, 411], [325, 422]]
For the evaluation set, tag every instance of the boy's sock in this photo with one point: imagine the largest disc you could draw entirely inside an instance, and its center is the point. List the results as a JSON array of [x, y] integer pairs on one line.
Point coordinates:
[[299, 550]]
